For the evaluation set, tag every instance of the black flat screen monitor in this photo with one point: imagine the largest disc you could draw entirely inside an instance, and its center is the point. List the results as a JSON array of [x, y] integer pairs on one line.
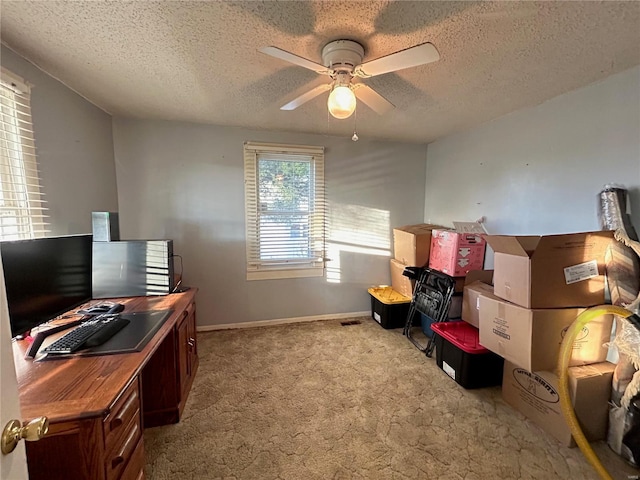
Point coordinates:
[[45, 277]]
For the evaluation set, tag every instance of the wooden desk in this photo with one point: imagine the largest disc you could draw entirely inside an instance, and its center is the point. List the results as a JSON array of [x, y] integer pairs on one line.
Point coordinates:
[[98, 405]]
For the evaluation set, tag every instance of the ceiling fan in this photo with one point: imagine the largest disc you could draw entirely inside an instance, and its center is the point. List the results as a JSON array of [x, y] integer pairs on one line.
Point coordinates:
[[342, 61]]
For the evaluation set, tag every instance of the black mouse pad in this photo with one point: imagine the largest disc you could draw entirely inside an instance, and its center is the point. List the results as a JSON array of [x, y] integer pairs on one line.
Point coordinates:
[[132, 338]]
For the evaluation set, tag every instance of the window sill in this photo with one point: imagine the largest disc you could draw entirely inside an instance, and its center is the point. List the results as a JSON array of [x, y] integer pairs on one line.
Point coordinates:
[[285, 273]]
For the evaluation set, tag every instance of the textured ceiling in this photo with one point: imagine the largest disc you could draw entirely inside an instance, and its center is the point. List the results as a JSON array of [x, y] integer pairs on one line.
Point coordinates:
[[199, 61]]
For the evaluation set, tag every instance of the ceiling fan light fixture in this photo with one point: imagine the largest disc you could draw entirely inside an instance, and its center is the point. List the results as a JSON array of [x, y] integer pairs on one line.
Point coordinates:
[[342, 102]]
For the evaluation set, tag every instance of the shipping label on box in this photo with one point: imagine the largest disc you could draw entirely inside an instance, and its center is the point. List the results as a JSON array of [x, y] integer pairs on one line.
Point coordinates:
[[412, 244], [456, 253], [536, 396], [531, 339], [552, 271], [399, 282]]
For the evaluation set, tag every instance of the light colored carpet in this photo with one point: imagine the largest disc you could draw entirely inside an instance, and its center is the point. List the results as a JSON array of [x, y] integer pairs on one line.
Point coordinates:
[[324, 401]]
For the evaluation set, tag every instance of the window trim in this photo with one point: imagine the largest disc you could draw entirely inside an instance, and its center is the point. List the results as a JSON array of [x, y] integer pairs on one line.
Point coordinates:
[[317, 223], [14, 82]]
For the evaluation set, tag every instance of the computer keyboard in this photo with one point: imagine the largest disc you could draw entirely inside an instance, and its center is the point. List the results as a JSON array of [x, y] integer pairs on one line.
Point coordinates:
[[89, 334]]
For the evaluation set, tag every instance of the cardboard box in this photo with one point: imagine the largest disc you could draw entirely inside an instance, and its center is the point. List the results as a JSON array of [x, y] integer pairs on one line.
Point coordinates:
[[471, 301], [536, 396], [531, 338], [399, 282], [456, 253], [484, 276], [470, 310], [552, 271], [412, 244]]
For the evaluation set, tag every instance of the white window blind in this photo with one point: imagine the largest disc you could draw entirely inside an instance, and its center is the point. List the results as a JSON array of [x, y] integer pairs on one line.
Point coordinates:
[[21, 202], [285, 210]]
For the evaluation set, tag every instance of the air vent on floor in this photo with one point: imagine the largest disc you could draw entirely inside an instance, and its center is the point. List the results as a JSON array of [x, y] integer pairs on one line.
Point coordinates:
[[350, 322]]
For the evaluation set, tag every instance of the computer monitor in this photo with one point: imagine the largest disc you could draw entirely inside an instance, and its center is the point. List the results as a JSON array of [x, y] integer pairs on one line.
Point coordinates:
[[45, 277], [132, 268]]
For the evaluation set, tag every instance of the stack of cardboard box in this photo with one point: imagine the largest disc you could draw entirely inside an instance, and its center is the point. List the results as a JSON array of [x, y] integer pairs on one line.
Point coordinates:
[[540, 286], [390, 305], [411, 248]]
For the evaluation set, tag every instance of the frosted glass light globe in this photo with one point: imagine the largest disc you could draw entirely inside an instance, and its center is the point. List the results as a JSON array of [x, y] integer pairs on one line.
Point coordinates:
[[342, 102]]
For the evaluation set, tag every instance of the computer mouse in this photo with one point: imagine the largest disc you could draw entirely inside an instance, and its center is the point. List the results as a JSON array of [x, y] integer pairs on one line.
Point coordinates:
[[101, 308], [116, 308]]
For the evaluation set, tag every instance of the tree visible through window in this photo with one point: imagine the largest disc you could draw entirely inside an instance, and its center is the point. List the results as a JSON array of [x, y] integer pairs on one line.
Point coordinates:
[[285, 200], [285, 211]]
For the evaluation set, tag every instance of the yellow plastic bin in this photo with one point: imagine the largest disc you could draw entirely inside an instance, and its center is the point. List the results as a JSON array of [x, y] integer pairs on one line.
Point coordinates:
[[388, 307]]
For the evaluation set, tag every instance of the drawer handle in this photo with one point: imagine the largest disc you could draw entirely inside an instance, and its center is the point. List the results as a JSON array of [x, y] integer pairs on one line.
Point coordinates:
[[119, 420], [120, 458], [191, 342], [117, 461]]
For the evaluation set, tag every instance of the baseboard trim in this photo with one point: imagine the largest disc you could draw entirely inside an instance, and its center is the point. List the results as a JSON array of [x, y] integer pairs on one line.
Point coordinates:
[[281, 321]]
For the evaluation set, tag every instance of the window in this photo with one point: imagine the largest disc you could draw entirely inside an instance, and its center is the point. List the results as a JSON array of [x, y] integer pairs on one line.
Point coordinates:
[[21, 203], [285, 210]]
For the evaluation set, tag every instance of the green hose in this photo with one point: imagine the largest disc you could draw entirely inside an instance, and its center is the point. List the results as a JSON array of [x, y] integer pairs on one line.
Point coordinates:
[[563, 365]]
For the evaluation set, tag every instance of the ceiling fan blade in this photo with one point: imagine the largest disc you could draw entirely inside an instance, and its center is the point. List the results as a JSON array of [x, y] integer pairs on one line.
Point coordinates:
[[411, 57], [305, 97], [295, 59], [372, 99]]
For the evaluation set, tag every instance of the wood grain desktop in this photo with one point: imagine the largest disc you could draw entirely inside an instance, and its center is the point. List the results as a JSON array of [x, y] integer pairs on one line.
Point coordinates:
[[98, 405]]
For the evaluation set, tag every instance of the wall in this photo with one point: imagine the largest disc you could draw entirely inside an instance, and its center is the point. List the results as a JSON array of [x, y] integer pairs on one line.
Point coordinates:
[[75, 150], [540, 170], [185, 181]]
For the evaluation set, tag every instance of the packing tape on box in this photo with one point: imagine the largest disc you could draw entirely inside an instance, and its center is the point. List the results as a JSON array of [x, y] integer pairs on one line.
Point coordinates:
[[592, 370]]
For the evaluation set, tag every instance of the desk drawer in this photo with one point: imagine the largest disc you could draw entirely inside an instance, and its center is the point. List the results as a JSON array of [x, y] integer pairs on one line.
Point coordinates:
[[127, 406], [118, 457], [135, 467]]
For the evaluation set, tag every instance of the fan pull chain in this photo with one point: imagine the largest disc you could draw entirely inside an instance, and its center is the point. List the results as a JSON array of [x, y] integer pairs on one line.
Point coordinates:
[[355, 124]]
